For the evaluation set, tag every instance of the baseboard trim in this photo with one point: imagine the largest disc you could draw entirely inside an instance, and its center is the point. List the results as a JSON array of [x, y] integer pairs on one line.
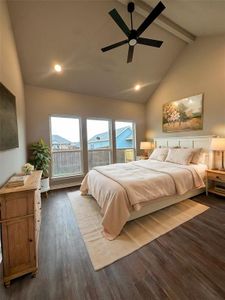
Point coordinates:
[[64, 185]]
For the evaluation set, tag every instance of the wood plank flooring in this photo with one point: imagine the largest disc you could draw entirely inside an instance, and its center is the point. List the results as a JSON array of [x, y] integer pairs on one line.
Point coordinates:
[[186, 263]]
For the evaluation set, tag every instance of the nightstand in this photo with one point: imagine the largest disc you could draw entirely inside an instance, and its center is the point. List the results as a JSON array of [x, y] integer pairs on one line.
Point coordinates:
[[215, 182]]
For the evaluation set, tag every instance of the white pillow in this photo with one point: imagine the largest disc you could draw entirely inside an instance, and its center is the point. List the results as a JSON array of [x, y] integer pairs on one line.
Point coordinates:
[[196, 155], [203, 159], [180, 156], [159, 154]]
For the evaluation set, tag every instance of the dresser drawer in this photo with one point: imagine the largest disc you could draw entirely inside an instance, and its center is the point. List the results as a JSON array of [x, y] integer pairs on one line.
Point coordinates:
[[216, 176], [16, 205]]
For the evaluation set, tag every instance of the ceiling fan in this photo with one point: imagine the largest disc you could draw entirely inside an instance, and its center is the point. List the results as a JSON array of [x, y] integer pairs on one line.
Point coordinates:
[[133, 36]]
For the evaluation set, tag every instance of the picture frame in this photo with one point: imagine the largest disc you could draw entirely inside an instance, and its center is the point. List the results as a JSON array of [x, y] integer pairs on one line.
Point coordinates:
[[8, 120], [183, 115]]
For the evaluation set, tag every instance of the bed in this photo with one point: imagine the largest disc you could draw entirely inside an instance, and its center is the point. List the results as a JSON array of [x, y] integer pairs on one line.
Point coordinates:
[[128, 191]]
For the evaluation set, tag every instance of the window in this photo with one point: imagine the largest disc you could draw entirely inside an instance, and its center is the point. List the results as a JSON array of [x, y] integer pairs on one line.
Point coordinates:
[[99, 143], [66, 147], [125, 141]]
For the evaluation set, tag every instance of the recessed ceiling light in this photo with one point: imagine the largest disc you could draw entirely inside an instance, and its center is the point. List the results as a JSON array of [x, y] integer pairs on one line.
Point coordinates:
[[58, 68], [137, 87]]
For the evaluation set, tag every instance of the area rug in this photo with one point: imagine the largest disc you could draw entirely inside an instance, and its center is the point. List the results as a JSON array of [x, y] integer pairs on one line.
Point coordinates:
[[135, 234]]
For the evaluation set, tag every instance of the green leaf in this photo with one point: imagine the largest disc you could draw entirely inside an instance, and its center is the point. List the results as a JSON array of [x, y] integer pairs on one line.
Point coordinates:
[[40, 156]]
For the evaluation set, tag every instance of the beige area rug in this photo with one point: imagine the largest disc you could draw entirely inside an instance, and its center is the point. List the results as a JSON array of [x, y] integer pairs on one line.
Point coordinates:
[[135, 234]]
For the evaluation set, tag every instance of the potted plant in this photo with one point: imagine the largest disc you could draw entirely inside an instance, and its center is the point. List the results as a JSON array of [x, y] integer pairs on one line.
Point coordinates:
[[40, 158]]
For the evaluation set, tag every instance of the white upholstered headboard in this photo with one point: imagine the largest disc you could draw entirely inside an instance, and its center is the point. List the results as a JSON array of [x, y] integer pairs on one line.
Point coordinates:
[[203, 142]]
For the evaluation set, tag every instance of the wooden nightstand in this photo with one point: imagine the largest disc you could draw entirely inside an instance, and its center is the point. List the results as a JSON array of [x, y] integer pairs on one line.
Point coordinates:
[[215, 182]]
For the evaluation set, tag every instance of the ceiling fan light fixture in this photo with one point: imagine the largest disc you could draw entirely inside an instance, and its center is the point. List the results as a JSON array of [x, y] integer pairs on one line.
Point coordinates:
[[132, 42]]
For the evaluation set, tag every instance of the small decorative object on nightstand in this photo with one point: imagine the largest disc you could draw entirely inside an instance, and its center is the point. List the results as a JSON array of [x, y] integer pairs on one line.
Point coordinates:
[[215, 182], [146, 146]]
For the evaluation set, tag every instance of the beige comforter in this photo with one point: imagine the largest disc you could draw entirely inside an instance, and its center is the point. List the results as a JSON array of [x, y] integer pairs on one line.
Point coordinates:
[[121, 188]]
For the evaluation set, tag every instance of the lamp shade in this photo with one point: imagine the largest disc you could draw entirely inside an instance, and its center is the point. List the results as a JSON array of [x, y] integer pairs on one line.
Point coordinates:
[[145, 145], [218, 144]]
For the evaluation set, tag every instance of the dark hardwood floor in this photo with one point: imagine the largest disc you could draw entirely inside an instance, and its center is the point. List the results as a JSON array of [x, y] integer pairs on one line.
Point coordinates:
[[186, 263]]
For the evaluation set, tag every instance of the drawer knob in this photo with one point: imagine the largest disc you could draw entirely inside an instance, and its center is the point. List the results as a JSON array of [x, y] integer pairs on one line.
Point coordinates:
[[30, 240], [218, 177]]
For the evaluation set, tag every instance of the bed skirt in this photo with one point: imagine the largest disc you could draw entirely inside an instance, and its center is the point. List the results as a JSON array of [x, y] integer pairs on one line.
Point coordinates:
[[163, 202]]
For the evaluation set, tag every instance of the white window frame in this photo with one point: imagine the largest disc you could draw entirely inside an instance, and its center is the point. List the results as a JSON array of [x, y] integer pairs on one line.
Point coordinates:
[[134, 148], [110, 149], [63, 151]]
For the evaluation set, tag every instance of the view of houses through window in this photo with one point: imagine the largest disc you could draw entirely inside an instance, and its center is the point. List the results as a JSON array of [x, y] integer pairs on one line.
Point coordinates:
[[99, 140], [125, 141], [66, 145]]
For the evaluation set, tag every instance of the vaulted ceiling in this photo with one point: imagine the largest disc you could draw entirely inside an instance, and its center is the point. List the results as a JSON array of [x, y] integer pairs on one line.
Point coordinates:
[[200, 17], [72, 33]]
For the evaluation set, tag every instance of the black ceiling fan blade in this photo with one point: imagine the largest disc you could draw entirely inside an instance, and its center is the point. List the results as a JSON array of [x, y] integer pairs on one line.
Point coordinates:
[[150, 42], [130, 54], [151, 17], [119, 21], [114, 46]]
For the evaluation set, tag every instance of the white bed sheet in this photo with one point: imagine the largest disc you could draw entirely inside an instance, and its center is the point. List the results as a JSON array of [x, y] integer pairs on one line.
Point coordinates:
[[111, 187], [200, 168]]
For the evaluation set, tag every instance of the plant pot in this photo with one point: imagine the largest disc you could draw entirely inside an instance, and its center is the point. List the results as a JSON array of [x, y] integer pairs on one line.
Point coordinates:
[[45, 185]]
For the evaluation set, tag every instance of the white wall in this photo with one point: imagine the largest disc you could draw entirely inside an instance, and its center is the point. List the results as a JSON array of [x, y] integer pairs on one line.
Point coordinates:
[[41, 103], [10, 75], [199, 69]]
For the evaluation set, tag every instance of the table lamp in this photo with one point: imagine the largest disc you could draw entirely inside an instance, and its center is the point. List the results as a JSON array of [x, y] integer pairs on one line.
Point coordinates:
[[218, 144], [146, 146]]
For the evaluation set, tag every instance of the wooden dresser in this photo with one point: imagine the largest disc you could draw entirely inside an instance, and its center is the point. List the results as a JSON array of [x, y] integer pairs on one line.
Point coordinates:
[[20, 219]]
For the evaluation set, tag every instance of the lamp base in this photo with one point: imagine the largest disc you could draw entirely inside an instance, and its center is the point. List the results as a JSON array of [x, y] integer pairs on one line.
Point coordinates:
[[145, 154]]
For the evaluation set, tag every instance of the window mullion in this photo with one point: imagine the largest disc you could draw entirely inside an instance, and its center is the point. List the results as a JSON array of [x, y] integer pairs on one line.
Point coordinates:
[[113, 151]]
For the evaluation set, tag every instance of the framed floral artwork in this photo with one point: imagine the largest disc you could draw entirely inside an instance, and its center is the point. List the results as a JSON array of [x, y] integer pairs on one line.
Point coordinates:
[[183, 115]]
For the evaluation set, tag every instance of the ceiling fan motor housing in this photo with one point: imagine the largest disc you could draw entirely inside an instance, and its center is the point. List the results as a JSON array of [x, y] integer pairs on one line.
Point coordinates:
[[130, 7]]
